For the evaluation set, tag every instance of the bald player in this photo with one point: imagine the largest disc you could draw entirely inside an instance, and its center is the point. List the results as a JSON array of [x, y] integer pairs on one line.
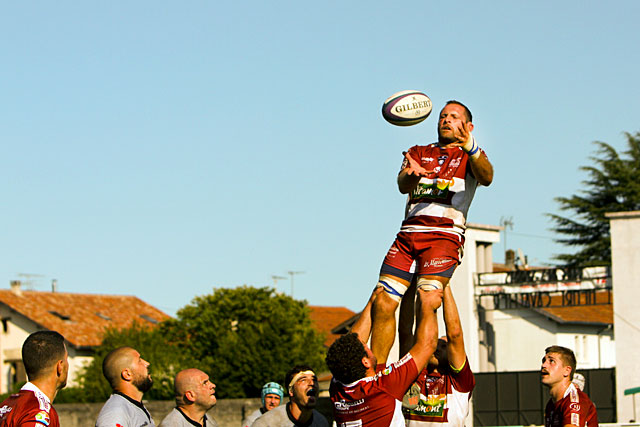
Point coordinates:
[[195, 395], [128, 374]]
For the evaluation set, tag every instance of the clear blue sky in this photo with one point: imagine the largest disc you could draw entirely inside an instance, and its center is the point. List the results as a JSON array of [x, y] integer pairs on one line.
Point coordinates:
[[161, 149]]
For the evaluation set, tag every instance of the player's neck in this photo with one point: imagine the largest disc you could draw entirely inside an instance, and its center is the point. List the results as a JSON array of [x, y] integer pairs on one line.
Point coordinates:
[[558, 390], [47, 386], [130, 391], [301, 415], [194, 412]]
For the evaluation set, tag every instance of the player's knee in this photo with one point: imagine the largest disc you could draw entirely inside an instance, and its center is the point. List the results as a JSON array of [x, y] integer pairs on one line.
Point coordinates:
[[430, 284], [394, 290]]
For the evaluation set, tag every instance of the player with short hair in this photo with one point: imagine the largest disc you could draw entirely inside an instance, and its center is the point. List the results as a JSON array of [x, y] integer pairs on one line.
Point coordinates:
[[302, 386], [195, 395], [271, 394], [128, 374], [364, 392], [440, 180], [568, 406], [45, 360]]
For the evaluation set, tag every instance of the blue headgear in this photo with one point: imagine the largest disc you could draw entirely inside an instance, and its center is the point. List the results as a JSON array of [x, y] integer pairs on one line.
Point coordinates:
[[272, 388]]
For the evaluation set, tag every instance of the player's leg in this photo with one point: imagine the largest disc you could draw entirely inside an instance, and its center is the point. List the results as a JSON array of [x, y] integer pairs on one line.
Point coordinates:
[[406, 319], [437, 259], [395, 276], [383, 331]]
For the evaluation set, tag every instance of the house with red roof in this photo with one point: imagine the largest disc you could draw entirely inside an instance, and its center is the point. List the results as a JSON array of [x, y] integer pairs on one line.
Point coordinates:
[[80, 318]]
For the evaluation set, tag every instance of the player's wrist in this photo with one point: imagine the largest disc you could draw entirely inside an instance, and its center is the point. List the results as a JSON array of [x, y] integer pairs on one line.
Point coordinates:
[[471, 148]]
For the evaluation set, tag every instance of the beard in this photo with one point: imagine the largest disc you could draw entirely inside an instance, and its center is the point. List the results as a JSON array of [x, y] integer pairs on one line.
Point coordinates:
[[143, 383]]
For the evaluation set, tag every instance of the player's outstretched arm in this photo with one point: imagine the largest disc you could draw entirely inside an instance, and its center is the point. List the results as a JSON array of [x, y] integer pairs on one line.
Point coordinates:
[[410, 175], [362, 327], [480, 165], [427, 329], [455, 341]]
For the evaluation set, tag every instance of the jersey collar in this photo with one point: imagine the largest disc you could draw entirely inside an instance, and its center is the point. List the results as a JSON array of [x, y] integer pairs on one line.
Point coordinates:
[[32, 387]]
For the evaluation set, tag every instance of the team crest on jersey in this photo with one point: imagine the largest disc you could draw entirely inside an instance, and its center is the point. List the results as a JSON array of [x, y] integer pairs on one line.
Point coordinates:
[[387, 370], [42, 417], [442, 159], [574, 406]]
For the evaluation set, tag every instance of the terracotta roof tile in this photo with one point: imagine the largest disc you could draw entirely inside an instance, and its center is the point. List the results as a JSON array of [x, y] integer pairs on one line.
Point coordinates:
[[600, 312], [324, 319], [81, 318]]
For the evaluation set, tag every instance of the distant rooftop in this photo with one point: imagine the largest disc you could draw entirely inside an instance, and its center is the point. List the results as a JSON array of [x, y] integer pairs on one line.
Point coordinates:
[[81, 318]]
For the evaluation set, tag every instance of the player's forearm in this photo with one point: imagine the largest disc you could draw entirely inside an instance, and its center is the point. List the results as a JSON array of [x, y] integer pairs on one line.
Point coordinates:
[[480, 165], [451, 317], [482, 170], [406, 182], [362, 327], [426, 335]]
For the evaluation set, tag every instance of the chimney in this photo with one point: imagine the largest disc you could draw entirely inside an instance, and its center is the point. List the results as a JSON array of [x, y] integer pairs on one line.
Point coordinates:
[[16, 287], [54, 285], [510, 259]]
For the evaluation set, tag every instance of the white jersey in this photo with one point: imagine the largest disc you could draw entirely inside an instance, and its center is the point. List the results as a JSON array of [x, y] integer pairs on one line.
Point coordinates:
[[122, 411]]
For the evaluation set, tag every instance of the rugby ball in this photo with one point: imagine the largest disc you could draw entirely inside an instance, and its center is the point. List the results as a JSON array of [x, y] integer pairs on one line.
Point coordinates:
[[406, 108]]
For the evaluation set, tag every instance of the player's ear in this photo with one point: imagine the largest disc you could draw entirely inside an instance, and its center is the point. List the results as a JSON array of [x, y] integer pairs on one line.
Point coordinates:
[[190, 396], [366, 362], [470, 126], [60, 367], [126, 374]]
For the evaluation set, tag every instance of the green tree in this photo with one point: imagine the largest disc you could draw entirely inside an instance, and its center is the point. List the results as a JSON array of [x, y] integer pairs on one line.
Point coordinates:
[[245, 337], [165, 356], [613, 185]]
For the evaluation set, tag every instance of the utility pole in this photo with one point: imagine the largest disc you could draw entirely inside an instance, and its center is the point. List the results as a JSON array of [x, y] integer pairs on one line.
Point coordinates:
[[293, 273]]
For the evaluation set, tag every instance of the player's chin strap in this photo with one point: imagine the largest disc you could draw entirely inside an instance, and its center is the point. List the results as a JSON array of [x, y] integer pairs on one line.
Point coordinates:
[[429, 284], [471, 148]]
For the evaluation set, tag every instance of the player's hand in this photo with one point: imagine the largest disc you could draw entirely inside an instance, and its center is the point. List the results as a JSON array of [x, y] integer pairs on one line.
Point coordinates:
[[461, 134], [431, 299], [414, 168], [376, 291]]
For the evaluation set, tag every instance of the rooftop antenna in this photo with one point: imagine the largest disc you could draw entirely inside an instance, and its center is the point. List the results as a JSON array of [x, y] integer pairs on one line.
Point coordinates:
[[506, 223], [293, 273], [275, 279]]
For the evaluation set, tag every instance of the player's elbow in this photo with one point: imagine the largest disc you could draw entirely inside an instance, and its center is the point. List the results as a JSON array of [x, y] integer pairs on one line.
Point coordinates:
[[454, 334]]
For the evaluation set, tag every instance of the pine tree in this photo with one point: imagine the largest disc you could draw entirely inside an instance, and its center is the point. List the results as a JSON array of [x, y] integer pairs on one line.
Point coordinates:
[[613, 185]]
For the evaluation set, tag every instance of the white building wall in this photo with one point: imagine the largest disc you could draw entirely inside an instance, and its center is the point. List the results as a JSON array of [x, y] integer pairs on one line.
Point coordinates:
[[18, 329], [625, 270], [520, 339]]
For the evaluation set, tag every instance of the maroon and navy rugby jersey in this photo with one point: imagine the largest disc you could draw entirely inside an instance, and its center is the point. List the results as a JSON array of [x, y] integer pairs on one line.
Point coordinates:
[[374, 401], [30, 408], [574, 408], [440, 202]]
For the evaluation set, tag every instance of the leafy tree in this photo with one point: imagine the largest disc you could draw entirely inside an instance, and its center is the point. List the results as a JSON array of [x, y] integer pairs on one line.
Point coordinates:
[[245, 337], [241, 337], [612, 186], [165, 357]]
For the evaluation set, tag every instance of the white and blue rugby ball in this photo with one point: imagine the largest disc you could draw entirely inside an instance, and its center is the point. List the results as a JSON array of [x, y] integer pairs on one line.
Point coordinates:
[[406, 108]]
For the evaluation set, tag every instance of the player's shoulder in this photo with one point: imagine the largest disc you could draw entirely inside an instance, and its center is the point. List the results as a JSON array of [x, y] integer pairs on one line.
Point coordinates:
[[29, 406], [319, 419], [274, 417], [422, 148]]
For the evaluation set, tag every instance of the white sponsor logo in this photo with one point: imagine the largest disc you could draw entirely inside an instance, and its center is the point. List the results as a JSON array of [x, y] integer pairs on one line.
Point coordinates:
[[344, 405], [5, 410]]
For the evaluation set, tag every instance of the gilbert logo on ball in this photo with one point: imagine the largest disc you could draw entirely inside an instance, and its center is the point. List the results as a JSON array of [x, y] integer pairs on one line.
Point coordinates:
[[406, 108]]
